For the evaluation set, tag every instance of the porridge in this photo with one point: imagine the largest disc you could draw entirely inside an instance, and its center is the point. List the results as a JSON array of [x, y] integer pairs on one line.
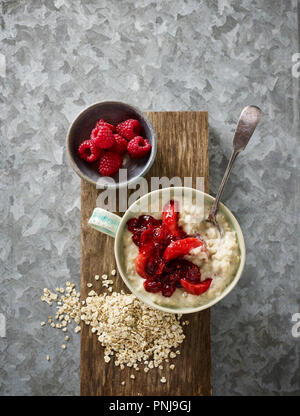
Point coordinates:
[[176, 258]]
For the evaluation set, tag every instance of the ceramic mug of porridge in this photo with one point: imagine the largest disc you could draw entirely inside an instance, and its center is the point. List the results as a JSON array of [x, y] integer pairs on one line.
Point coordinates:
[[175, 261]]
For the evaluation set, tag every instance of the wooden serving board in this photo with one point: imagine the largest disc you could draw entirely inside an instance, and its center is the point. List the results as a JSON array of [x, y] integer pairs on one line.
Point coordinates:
[[182, 151]]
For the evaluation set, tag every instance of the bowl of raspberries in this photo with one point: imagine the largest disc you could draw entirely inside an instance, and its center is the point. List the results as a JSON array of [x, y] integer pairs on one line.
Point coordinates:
[[110, 136]]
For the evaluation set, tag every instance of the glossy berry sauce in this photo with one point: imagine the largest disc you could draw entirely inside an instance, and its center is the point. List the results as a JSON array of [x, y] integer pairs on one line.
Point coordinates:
[[153, 236]]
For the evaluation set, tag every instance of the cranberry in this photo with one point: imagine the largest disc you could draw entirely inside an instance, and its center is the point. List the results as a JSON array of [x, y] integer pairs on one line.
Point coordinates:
[[136, 239], [168, 290], [152, 236], [184, 269], [143, 223], [193, 274], [155, 265], [132, 225], [153, 286], [146, 237]]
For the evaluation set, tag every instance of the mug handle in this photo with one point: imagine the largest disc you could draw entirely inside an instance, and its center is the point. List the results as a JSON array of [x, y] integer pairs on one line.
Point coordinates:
[[104, 221]]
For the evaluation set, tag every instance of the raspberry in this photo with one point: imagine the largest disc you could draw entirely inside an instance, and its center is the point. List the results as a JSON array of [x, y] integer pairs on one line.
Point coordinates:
[[138, 147], [109, 163], [94, 133], [129, 128], [120, 145], [103, 137], [102, 122], [88, 151]]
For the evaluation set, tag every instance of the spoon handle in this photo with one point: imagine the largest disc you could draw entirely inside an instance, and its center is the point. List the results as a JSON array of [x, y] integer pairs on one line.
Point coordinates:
[[215, 205], [249, 118]]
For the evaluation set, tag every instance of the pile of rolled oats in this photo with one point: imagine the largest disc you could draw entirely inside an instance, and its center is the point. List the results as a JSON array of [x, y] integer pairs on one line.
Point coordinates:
[[130, 331]]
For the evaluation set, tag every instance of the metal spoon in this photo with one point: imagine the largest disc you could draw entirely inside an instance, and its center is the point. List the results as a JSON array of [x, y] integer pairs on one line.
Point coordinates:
[[247, 123]]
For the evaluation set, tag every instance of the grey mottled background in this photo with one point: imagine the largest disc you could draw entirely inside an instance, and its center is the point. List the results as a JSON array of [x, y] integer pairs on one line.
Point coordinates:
[[57, 58]]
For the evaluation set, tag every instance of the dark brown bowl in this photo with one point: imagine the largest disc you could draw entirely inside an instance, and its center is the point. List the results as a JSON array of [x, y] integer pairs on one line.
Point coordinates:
[[113, 112]]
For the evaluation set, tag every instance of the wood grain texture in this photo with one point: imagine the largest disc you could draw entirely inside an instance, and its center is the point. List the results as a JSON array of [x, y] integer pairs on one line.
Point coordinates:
[[182, 151]]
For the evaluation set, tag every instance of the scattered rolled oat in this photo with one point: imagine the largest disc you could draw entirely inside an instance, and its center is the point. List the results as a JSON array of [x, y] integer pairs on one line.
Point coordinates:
[[124, 327], [64, 346], [48, 357], [43, 323], [89, 284], [107, 283], [67, 338], [123, 383], [113, 272], [163, 380], [97, 277], [49, 296], [132, 376], [172, 366], [68, 306]]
